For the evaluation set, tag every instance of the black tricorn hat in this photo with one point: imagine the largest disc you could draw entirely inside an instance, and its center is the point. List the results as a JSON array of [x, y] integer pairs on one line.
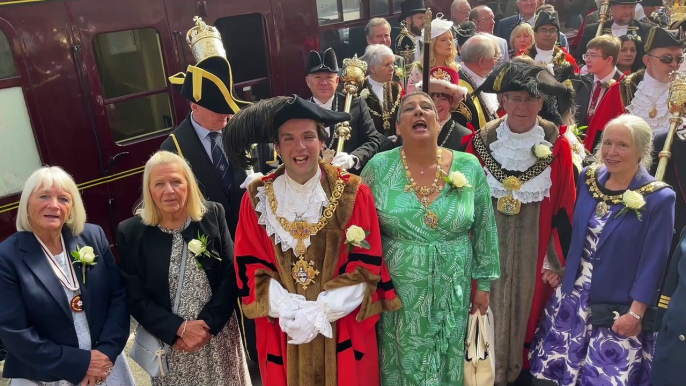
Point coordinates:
[[537, 81], [322, 61], [260, 122], [651, 3], [464, 31], [411, 7], [209, 84], [624, 1], [660, 38], [546, 17]]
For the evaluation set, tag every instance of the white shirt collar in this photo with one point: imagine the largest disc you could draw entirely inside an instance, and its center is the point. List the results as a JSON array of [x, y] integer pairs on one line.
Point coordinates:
[[606, 79], [477, 79], [308, 186], [442, 123], [542, 51], [532, 21], [377, 88], [327, 105], [652, 82]]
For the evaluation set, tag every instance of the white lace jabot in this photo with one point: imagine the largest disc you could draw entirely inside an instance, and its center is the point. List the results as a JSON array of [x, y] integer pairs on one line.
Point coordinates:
[[294, 200], [647, 92], [513, 152]]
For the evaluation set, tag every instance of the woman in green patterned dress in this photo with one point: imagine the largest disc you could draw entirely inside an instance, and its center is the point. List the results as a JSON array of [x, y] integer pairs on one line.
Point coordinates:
[[426, 223]]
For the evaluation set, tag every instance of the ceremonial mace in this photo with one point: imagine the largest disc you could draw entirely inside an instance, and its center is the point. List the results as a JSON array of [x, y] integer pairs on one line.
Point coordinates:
[[677, 106], [603, 15], [354, 71], [427, 50]]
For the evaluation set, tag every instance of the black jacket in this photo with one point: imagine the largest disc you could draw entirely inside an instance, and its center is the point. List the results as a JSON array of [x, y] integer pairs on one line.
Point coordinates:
[[454, 141], [583, 89], [635, 27], [145, 257], [210, 183]]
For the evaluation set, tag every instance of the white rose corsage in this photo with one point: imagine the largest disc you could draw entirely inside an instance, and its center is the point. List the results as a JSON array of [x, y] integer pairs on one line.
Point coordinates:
[[355, 237], [632, 201], [399, 72], [199, 248], [84, 256], [364, 93], [541, 151], [457, 180]]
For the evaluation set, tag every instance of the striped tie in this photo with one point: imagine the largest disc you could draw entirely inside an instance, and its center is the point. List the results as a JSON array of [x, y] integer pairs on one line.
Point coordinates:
[[221, 165]]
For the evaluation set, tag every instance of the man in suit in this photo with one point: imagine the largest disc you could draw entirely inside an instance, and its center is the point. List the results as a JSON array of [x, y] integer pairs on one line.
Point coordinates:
[[527, 14], [198, 139], [378, 31], [622, 23], [322, 80], [479, 55], [601, 59], [484, 20]]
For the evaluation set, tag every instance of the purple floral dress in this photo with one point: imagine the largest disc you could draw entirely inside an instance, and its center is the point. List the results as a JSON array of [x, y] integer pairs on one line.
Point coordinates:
[[569, 351]]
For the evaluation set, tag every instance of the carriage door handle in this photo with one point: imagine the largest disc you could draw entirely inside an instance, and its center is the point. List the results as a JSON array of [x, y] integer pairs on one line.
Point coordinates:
[[113, 159]]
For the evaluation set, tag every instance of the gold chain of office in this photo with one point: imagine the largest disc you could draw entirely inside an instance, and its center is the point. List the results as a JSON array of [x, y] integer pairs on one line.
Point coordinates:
[[497, 171], [387, 115]]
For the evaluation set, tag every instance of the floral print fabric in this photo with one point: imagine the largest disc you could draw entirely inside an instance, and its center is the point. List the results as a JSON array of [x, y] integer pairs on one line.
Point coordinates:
[[569, 351]]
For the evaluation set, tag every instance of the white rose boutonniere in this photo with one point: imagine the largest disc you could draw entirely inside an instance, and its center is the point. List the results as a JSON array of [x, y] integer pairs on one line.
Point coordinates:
[[457, 180], [632, 201], [355, 237], [364, 93], [199, 248], [399, 72], [541, 151], [84, 256]]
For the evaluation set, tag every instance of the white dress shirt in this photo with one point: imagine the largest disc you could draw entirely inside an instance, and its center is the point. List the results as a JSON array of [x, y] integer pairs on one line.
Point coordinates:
[[490, 100], [619, 30], [327, 105]]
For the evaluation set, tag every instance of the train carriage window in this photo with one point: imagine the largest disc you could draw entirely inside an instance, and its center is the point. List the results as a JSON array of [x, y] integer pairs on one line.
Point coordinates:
[[18, 149], [245, 41], [328, 10], [134, 83]]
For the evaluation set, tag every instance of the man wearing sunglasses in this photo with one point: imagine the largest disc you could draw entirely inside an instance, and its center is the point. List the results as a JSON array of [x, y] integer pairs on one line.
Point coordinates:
[[545, 52], [645, 92]]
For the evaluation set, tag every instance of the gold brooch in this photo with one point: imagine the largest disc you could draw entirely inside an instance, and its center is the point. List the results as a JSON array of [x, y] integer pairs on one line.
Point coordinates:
[[303, 272]]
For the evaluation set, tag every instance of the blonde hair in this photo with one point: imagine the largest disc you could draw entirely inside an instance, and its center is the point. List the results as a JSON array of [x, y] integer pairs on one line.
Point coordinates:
[[450, 60], [522, 27], [52, 177], [195, 202], [641, 135]]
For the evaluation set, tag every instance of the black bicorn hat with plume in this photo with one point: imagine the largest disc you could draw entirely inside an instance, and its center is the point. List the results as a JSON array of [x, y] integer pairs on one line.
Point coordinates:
[[260, 122], [537, 81]]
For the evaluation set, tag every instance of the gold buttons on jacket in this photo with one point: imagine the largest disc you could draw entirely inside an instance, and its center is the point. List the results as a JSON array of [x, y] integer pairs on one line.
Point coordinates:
[[682, 338]]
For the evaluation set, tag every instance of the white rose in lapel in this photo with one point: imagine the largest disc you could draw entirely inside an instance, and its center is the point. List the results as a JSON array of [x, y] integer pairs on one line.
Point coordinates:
[[196, 247], [458, 179], [633, 200], [87, 254], [364, 93], [542, 151], [355, 237]]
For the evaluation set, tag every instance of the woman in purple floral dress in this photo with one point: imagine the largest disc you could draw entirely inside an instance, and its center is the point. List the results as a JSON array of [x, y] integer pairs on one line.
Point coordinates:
[[621, 235]]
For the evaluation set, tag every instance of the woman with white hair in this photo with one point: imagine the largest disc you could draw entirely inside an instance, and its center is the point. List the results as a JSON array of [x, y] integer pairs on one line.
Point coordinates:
[[600, 322], [443, 51], [177, 265], [63, 317], [381, 93]]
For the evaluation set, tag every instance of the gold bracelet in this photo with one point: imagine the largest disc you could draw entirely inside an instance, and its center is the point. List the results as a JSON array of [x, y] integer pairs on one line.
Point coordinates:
[[184, 328], [635, 315]]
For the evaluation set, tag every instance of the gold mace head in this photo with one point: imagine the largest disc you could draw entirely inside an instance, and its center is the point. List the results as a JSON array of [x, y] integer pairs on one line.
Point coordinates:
[[205, 41], [676, 10], [354, 71], [677, 93]]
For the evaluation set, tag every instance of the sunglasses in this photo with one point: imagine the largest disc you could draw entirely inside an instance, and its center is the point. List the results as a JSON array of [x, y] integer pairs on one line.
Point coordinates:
[[669, 59]]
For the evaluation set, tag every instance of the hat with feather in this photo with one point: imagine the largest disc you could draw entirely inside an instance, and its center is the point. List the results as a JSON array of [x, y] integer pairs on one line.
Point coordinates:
[[209, 83], [260, 123]]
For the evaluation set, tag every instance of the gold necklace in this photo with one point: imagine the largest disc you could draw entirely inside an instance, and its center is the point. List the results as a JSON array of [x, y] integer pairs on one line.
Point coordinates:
[[430, 218], [303, 272]]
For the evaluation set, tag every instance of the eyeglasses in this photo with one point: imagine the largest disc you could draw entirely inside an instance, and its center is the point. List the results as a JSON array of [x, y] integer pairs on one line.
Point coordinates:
[[548, 31], [588, 57], [520, 100], [667, 59]]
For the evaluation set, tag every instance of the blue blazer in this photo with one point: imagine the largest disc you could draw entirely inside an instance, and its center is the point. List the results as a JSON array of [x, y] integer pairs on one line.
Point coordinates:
[[631, 255], [36, 323], [506, 25]]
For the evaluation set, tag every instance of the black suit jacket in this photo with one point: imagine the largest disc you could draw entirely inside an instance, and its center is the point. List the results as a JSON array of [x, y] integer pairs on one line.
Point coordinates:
[[454, 141], [583, 88], [364, 140], [145, 255], [210, 183], [590, 30], [36, 322]]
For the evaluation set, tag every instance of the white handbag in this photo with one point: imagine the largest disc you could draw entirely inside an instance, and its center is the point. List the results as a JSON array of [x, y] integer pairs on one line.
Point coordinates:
[[149, 352], [479, 361]]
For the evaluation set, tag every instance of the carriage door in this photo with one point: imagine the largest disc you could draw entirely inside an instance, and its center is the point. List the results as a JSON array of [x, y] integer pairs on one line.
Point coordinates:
[[247, 31], [126, 56]]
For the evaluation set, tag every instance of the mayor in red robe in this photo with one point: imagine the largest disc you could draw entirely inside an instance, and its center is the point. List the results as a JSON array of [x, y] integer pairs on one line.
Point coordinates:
[[528, 163], [273, 276]]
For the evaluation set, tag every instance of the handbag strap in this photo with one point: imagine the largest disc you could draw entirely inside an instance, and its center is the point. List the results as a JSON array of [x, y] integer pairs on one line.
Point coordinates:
[[482, 332], [182, 271]]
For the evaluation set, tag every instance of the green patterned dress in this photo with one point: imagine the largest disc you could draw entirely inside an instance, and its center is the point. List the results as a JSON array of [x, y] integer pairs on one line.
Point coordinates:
[[432, 270]]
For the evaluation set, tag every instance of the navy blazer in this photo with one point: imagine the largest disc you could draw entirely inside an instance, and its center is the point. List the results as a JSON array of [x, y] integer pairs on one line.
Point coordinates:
[[631, 255], [36, 323]]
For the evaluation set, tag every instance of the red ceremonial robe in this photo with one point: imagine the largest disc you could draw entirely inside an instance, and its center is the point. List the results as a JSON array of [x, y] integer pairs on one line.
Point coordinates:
[[554, 231], [351, 357]]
